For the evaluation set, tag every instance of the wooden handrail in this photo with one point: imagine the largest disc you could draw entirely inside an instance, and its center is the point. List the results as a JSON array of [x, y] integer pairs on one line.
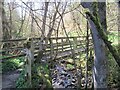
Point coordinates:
[[14, 40], [20, 48]]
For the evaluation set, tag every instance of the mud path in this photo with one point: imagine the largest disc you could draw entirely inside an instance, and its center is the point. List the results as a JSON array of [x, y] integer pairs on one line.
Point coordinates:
[[9, 78]]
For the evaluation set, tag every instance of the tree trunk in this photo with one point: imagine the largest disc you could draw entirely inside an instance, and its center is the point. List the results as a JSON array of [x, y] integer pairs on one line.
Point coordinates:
[[102, 18], [1, 32], [44, 18], [53, 21], [102, 14], [5, 30], [99, 72], [40, 54], [1, 36], [5, 25], [119, 27], [43, 25], [112, 50]]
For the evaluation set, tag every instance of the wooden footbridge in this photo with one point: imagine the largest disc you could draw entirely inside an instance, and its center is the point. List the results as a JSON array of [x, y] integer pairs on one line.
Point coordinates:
[[61, 47], [54, 49]]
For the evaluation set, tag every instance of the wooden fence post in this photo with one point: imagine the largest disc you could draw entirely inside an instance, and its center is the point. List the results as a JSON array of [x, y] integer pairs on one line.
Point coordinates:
[[51, 48], [29, 60], [32, 51], [75, 42], [62, 43]]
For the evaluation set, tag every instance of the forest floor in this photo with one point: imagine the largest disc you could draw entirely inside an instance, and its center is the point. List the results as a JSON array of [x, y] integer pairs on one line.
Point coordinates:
[[9, 79]]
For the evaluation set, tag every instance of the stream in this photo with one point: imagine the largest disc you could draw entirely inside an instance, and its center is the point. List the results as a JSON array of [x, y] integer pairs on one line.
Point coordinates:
[[65, 78]]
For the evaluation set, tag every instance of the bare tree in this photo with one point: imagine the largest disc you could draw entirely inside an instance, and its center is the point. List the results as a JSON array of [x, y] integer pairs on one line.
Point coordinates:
[[6, 27], [44, 18], [53, 21], [23, 17], [10, 6], [40, 54], [43, 25]]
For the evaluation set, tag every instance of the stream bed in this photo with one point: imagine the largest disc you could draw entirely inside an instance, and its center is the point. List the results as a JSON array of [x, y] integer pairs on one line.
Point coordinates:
[[63, 78]]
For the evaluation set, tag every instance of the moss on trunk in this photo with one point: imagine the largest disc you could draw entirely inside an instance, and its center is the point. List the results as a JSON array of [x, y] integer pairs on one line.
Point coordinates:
[[103, 36]]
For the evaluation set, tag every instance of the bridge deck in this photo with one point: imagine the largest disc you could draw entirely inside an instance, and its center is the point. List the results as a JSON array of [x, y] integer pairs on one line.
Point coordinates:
[[64, 54]]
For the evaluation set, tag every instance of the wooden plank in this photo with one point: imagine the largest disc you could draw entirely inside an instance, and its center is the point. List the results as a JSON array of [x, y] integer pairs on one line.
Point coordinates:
[[66, 53]]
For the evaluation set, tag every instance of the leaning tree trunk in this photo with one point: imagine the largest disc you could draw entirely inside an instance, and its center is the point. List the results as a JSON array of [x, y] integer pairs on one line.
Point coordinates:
[[100, 64], [99, 70]]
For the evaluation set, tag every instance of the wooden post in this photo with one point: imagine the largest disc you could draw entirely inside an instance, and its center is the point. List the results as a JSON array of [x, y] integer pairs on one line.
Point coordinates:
[[29, 60], [51, 48], [62, 43], [50, 61], [75, 42], [32, 50], [80, 77]]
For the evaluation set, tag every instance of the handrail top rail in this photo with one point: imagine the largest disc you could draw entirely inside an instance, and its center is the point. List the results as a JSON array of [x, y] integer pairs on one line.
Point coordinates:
[[13, 40]]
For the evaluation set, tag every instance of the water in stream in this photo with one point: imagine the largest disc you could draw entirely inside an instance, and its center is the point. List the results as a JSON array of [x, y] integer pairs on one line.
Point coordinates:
[[62, 78]]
